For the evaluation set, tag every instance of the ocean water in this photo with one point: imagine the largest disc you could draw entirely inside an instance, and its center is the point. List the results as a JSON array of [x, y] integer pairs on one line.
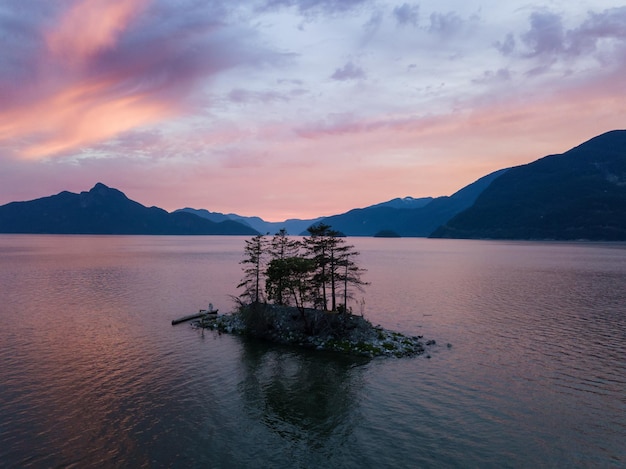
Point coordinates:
[[528, 370]]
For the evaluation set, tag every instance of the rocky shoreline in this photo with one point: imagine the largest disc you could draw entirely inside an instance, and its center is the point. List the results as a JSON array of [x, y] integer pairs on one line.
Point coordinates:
[[318, 330]]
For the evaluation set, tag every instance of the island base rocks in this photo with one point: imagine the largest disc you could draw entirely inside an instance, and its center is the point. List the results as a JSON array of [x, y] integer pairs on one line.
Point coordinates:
[[315, 329]]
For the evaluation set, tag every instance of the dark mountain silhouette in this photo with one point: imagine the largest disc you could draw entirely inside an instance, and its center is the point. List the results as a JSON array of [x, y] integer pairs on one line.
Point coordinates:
[[406, 216], [293, 226], [425, 216], [297, 226], [104, 210], [580, 194]]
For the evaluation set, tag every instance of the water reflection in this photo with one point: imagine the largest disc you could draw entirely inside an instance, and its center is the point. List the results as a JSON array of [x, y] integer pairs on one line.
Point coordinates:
[[301, 395]]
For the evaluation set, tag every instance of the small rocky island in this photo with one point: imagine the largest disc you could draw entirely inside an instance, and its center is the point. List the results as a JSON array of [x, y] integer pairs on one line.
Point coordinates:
[[321, 330], [296, 291]]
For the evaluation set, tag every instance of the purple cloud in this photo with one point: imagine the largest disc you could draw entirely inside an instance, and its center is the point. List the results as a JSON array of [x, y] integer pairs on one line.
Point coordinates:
[[242, 96], [507, 46], [406, 15], [348, 72], [372, 25], [546, 35], [308, 7], [610, 24], [489, 77], [445, 23]]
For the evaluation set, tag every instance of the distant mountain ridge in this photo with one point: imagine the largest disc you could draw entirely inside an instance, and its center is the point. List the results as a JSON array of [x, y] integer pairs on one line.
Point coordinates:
[[357, 222], [292, 226], [104, 210], [419, 221]]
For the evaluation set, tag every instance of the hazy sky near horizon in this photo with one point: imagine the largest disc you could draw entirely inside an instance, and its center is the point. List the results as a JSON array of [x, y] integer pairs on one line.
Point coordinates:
[[297, 108]]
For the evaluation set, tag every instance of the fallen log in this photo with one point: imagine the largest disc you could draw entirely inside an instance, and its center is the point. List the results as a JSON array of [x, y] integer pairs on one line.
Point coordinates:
[[202, 313]]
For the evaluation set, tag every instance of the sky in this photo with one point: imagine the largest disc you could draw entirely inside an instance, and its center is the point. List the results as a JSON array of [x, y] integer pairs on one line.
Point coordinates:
[[297, 108]]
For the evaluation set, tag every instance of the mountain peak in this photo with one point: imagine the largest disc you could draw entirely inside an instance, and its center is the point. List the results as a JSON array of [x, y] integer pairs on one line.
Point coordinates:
[[99, 186], [101, 192], [103, 189]]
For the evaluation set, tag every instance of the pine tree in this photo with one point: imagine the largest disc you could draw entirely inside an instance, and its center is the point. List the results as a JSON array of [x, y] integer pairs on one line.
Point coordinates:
[[281, 247], [349, 274], [294, 274], [318, 270], [319, 248], [334, 263], [253, 268]]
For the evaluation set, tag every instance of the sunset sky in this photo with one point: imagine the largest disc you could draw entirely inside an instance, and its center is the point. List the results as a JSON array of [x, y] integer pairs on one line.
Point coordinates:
[[297, 109]]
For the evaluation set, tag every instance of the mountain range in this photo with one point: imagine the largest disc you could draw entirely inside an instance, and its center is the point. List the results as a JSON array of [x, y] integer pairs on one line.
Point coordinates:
[[292, 226], [419, 220], [104, 210], [580, 194]]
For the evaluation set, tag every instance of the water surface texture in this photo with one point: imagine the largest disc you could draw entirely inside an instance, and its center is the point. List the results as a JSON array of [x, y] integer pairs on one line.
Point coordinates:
[[94, 375]]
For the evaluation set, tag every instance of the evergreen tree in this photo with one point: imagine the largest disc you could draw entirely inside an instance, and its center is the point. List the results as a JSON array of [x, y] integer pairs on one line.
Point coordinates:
[[319, 248], [318, 270], [294, 274], [349, 274], [334, 263], [253, 268], [281, 247]]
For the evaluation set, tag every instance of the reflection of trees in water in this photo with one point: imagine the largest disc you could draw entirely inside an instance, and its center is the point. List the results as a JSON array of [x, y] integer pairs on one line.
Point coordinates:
[[301, 394]]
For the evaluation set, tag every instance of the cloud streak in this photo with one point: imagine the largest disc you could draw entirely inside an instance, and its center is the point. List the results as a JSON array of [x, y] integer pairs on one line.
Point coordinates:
[[102, 71], [89, 28]]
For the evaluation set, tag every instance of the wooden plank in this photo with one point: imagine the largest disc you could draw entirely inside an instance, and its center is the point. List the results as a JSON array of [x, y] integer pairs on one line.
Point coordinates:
[[200, 314]]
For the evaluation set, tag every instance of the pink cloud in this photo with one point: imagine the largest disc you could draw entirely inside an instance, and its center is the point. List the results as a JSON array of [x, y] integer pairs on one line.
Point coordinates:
[[91, 26], [106, 67], [76, 116]]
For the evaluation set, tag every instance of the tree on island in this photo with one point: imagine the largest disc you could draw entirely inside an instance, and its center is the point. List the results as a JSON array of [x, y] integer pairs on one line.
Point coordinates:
[[299, 273], [281, 248], [253, 269], [288, 284], [290, 279], [334, 265]]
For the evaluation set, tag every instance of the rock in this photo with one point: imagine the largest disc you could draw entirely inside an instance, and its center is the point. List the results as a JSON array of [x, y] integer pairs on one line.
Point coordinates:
[[344, 333]]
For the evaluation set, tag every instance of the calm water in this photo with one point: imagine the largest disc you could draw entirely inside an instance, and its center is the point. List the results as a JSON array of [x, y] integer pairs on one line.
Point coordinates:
[[94, 375]]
